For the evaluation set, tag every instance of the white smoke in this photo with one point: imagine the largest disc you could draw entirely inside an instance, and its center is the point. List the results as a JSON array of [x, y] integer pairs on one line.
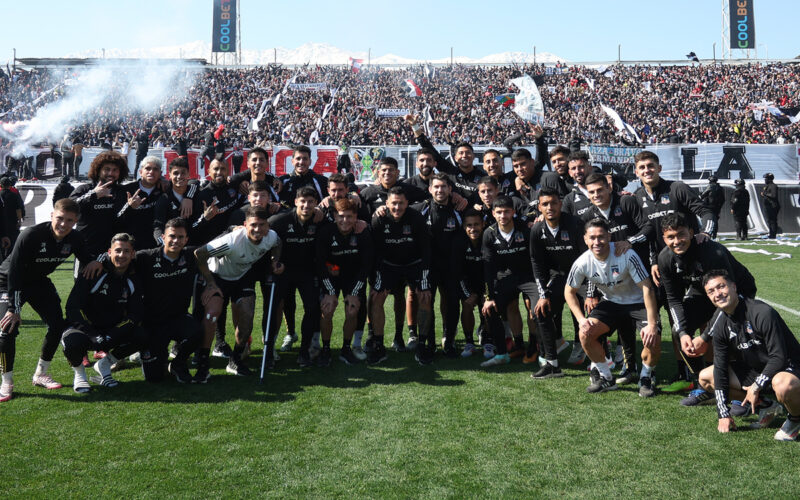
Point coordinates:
[[113, 89]]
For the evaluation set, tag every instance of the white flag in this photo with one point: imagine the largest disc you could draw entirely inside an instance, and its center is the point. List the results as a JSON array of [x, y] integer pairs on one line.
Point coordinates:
[[619, 124], [528, 102]]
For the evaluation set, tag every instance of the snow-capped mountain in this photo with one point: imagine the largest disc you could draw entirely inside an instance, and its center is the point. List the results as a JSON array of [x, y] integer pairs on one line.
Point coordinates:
[[314, 53]]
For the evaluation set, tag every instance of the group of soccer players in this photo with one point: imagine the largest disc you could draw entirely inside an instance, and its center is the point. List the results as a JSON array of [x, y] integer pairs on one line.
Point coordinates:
[[162, 259]]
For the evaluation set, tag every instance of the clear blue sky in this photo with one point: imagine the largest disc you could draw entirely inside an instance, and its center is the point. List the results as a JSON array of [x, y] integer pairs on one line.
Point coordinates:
[[578, 30]]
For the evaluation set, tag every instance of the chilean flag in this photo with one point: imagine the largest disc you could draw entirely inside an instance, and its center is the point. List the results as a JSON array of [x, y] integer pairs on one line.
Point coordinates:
[[355, 65], [413, 89]]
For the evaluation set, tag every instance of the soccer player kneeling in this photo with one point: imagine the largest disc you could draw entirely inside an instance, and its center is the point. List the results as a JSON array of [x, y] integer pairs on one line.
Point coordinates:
[[105, 315], [753, 350], [630, 302], [344, 260]]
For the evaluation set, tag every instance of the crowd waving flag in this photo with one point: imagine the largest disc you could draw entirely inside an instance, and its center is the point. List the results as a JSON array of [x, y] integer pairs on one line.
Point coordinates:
[[620, 125], [412, 88], [528, 102], [355, 65], [505, 99]]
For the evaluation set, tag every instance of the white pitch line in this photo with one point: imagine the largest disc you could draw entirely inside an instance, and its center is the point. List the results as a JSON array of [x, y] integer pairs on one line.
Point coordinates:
[[779, 306]]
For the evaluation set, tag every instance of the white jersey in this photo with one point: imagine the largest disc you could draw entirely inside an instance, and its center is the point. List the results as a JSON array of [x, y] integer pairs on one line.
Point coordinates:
[[616, 277], [233, 254]]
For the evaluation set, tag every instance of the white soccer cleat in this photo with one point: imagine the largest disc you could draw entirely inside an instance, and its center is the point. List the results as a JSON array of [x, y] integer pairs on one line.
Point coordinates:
[[46, 381]]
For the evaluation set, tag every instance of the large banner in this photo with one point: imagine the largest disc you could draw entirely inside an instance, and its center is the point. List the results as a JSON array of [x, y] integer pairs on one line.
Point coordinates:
[[743, 27], [391, 112], [223, 35], [678, 161]]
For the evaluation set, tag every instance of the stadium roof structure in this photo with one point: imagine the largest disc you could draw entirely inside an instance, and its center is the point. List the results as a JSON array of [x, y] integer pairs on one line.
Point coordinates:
[[44, 62]]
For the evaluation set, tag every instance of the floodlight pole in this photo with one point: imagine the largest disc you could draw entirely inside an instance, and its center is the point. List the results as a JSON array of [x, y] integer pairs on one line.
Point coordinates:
[[534, 55], [619, 53], [714, 51], [451, 56]]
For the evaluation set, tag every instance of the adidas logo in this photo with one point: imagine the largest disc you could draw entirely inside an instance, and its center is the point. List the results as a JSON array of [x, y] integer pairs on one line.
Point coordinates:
[[496, 241], [157, 264], [44, 248], [334, 244], [595, 275]]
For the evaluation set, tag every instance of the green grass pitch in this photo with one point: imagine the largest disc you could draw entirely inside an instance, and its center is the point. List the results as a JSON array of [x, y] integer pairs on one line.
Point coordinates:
[[399, 430]]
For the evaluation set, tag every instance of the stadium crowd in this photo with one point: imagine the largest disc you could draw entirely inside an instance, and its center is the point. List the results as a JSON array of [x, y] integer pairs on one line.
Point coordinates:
[[163, 258], [692, 103]]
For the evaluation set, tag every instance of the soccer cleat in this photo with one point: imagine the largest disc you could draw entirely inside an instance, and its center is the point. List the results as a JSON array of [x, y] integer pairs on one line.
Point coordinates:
[[627, 377], [348, 357], [516, 353], [304, 358], [398, 345], [99, 355], [103, 369], [647, 387], [449, 351], [173, 353], [742, 410], [679, 385], [358, 353], [424, 355], [222, 350], [288, 340], [767, 415], [697, 397], [498, 359], [561, 346], [488, 351], [468, 350], [788, 431], [81, 385], [577, 356], [377, 354], [547, 371], [619, 356], [180, 372], [600, 384], [46, 381], [324, 357], [202, 374], [135, 358], [6, 392], [236, 366], [412, 344], [528, 359]]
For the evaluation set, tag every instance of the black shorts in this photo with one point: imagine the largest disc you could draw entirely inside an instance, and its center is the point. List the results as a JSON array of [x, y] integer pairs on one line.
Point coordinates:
[[468, 285], [620, 316], [507, 289], [344, 285], [747, 375], [389, 277], [237, 290]]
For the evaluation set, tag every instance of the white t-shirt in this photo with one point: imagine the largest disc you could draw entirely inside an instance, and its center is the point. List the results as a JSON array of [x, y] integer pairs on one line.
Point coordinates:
[[616, 277], [233, 254]]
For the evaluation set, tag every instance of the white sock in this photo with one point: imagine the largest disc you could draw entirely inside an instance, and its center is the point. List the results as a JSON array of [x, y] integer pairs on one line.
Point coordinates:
[[103, 366], [8, 377], [80, 373], [604, 370], [646, 371], [608, 362], [357, 338], [42, 367], [553, 362]]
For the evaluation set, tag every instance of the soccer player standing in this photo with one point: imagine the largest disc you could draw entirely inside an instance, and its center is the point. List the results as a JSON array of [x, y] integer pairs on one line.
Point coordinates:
[[24, 279], [343, 260]]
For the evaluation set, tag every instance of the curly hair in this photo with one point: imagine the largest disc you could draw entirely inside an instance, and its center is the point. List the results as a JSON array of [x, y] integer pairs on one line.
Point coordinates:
[[108, 157]]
